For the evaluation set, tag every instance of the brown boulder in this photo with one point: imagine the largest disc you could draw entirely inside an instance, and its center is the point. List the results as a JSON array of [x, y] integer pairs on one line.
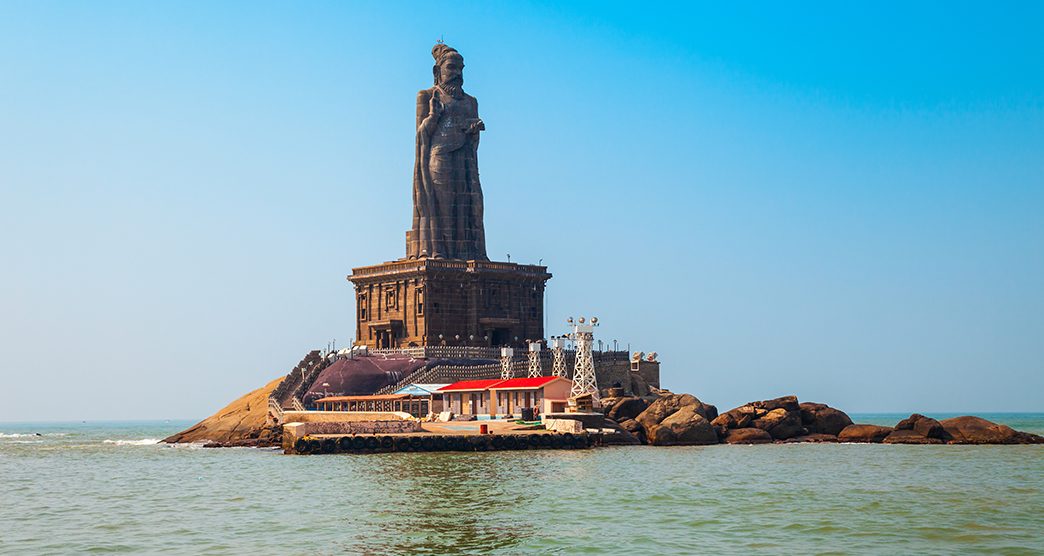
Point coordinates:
[[789, 403], [684, 427], [635, 428], [864, 433], [820, 418], [781, 424], [734, 418], [969, 429], [627, 408], [667, 405], [924, 426], [812, 437], [240, 423], [747, 436], [907, 436]]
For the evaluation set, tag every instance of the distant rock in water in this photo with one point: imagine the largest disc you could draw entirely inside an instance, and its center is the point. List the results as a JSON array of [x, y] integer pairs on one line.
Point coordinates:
[[782, 418], [864, 433], [240, 423], [969, 429], [918, 429]]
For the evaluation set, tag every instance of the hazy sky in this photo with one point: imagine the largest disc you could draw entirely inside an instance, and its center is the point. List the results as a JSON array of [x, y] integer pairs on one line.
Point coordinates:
[[839, 201]]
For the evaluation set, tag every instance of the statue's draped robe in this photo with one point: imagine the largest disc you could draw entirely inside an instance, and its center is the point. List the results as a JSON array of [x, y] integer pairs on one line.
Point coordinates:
[[447, 195]]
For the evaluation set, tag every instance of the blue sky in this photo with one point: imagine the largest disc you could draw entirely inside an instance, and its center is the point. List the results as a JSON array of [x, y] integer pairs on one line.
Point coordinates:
[[843, 202]]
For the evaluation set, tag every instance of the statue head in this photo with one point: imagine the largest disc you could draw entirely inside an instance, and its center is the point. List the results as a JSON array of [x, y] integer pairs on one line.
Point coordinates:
[[449, 66]]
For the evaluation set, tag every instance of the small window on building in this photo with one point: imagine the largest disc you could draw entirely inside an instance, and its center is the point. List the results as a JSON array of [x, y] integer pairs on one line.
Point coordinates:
[[420, 301], [362, 307], [435, 306]]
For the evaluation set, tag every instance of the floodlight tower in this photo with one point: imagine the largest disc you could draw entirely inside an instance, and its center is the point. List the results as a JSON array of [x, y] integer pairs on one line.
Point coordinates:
[[584, 381], [506, 363], [558, 362], [535, 369]]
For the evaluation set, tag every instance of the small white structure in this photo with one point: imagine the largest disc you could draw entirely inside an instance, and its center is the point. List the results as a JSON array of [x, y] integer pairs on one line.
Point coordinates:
[[584, 380], [535, 368], [506, 363], [558, 362]]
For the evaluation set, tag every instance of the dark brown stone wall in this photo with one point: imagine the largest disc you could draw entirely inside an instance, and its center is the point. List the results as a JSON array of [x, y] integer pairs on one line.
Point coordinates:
[[476, 303]]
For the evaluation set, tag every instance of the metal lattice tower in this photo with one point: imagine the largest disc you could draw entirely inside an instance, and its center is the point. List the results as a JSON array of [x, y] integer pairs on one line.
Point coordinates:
[[507, 371], [535, 367], [584, 381], [558, 362]]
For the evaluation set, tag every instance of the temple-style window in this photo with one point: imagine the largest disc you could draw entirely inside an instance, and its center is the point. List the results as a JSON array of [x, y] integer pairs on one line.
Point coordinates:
[[362, 307], [420, 301]]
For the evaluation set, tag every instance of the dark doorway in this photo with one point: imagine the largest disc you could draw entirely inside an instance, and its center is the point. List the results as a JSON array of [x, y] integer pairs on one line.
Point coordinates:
[[501, 337]]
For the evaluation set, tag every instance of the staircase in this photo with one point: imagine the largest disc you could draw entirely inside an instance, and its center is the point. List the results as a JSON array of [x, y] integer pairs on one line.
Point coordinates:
[[298, 380]]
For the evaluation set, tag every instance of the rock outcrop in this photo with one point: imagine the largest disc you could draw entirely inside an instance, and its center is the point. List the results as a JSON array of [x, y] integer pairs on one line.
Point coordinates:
[[969, 429], [907, 436], [627, 408], [747, 436], [781, 418], [918, 429], [820, 418], [864, 433], [780, 423], [685, 427], [240, 423], [678, 419]]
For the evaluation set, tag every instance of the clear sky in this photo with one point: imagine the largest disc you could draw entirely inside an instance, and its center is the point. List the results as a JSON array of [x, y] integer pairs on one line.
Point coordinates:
[[842, 201]]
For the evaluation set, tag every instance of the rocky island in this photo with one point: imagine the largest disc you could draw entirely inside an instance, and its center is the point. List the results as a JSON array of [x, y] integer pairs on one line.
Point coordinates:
[[444, 333]]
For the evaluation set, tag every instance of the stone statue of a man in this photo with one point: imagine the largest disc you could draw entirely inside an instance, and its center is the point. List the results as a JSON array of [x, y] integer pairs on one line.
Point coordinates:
[[447, 196]]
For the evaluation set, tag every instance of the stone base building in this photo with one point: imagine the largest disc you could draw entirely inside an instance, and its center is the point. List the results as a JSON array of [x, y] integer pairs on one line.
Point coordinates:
[[430, 302]]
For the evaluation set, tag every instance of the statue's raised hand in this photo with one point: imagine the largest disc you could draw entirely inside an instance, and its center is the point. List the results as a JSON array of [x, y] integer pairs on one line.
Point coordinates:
[[434, 105]]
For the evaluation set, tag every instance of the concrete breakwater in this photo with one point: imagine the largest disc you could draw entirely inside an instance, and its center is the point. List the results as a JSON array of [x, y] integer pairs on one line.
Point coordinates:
[[368, 444]]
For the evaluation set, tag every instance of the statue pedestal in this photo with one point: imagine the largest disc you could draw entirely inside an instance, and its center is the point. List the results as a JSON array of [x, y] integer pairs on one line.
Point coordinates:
[[430, 302]]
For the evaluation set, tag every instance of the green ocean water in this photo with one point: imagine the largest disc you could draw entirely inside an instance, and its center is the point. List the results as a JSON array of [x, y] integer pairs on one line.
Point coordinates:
[[107, 487]]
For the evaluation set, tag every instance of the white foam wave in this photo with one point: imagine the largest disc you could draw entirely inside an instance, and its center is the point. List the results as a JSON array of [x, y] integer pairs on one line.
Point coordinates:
[[142, 442], [28, 434]]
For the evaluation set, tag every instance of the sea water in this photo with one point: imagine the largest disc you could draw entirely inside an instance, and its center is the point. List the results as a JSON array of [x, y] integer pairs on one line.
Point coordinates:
[[109, 487]]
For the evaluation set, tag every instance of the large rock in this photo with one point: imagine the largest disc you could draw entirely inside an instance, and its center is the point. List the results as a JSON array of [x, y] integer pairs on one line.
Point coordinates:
[[635, 428], [240, 423], [684, 427], [667, 405], [737, 418], [924, 426], [747, 436], [864, 433], [907, 436], [969, 429], [780, 423], [789, 403], [627, 408], [820, 418]]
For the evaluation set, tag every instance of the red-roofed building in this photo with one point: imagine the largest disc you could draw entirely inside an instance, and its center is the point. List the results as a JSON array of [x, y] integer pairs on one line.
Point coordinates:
[[495, 397]]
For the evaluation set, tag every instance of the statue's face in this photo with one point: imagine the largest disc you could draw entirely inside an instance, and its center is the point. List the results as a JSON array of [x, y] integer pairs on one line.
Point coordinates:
[[452, 69]]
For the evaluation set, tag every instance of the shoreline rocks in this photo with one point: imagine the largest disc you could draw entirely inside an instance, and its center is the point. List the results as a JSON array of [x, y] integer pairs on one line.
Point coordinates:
[[968, 429], [240, 423]]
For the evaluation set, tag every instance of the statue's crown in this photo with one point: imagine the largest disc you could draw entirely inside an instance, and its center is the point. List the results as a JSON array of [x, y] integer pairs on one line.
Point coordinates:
[[440, 50]]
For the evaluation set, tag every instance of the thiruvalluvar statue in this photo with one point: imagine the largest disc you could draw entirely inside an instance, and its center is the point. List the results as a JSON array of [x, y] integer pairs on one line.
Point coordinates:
[[447, 195]]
